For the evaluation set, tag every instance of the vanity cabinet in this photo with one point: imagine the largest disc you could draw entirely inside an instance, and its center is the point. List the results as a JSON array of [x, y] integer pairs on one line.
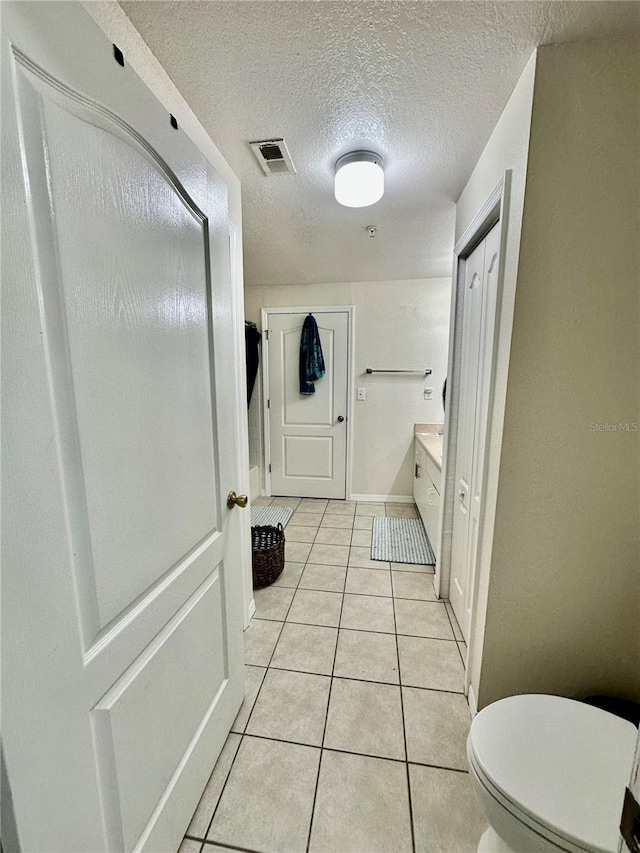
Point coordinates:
[[426, 491]]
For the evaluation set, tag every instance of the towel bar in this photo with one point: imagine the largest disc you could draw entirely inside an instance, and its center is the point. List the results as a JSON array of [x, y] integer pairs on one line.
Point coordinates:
[[426, 372]]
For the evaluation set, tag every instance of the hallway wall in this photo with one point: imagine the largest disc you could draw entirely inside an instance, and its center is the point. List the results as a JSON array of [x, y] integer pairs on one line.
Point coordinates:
[[398, 324], [564, 586]]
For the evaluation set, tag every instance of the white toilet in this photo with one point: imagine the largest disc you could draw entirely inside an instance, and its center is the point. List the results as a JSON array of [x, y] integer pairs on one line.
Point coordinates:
[[550, 774]]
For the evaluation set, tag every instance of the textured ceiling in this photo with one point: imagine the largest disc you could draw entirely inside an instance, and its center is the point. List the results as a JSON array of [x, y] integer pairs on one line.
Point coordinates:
[[422, 84]]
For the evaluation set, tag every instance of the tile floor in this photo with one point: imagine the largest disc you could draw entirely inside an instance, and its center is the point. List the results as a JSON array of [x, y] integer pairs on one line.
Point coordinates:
[[352, 735]]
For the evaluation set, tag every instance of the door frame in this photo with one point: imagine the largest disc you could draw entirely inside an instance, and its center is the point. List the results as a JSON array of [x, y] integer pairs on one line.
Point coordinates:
[[495, 210], [242, 417], [349, 310]]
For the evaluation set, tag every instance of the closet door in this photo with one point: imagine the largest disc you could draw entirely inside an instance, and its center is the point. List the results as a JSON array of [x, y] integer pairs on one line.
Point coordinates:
[[484, 361], [478, 334], [471, 324]]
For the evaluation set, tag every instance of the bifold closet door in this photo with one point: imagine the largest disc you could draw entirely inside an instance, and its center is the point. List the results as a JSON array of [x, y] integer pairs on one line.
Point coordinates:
[[478, 329]]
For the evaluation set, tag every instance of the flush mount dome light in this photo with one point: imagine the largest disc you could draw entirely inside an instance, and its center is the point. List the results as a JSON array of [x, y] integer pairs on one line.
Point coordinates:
[[359, 179]]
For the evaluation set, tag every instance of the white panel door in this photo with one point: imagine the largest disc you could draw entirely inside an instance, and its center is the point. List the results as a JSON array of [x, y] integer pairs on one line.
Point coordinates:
[[485, 351], [308, 434], [471, 319], [476, 362], [122, 604]]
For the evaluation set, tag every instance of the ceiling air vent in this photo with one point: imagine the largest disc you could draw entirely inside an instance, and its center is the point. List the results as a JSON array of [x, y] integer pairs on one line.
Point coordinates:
[[273, 156]]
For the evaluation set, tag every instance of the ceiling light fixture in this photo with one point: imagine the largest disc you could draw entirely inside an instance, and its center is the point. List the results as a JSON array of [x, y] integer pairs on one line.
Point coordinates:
[[359, 179]]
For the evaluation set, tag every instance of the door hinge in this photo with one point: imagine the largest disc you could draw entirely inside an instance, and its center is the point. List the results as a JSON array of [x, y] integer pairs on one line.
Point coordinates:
[[266, 334], [269, 467], [268, 404]]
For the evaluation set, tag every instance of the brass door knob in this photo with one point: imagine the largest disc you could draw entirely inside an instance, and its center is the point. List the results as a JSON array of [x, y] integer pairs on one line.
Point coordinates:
[[239, 500]]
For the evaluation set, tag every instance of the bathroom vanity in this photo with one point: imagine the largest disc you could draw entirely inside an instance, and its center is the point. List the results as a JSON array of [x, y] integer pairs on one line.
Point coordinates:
[[427, 478]]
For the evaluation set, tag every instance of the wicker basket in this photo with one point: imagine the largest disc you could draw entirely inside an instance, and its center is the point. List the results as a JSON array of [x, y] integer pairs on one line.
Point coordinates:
[[267, 554]]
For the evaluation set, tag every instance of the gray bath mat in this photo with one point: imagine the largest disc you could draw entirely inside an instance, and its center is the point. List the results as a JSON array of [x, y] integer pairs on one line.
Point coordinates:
[[401, 540], [274, 515]]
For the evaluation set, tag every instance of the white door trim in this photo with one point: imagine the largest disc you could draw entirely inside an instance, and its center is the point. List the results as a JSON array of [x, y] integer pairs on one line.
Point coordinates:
[[494, 210], [266, 436], [242, 419]]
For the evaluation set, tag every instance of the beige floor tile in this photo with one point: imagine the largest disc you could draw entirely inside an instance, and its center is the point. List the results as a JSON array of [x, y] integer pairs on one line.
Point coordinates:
[[413, 585], [316, 504], [361, 559], [291, 503], [370, 509], [290, 576], [434, 664], [422, 619], [333, 536], [454, 622], [211, 794], [402, 511], [368, 613], [341, 507], [462, 648], [306, 648], [296, 552], [253, 676], [342, 521], [362, 806], [325, 578], [369, 582], [190, 846], [260, 640], [291, 706], [365, 717], [300, 534], [267, 802], [367, 656], [332, 555], [363, 522], [413, 567], [272, 602], [261, 501], [304, 519], [446, 815], [437, 725], [361, 538], [312, 607]]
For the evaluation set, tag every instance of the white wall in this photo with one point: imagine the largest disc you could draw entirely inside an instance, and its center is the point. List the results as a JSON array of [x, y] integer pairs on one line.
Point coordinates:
[[507, 148], [398, 325], [564, 588]]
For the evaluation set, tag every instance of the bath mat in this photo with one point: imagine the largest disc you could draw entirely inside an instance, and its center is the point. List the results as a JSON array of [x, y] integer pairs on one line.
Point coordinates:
[[274, 515], [401, 540]]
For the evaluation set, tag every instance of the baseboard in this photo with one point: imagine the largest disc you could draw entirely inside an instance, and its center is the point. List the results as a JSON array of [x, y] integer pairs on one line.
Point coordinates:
[[382, 499], [471, 699]]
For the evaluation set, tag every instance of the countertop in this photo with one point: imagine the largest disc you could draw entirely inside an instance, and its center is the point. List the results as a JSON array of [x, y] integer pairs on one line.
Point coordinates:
[[430, 437]]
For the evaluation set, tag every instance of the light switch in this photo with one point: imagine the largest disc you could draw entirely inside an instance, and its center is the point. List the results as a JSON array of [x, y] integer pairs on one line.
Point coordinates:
[[361, 394]]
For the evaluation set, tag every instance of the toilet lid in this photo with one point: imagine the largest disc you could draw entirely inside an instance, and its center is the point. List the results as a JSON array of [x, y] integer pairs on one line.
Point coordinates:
[[560, 762]]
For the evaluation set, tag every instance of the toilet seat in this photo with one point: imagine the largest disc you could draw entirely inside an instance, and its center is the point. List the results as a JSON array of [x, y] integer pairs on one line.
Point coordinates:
[[558, 766]]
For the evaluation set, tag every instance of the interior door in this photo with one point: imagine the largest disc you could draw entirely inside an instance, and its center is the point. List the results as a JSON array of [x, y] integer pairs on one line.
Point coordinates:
[[478, 337], [467, 408], [308, 434], [121, 601]]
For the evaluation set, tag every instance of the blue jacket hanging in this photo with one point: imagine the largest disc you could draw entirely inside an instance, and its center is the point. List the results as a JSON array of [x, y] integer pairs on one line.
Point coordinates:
[[311, 358]]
